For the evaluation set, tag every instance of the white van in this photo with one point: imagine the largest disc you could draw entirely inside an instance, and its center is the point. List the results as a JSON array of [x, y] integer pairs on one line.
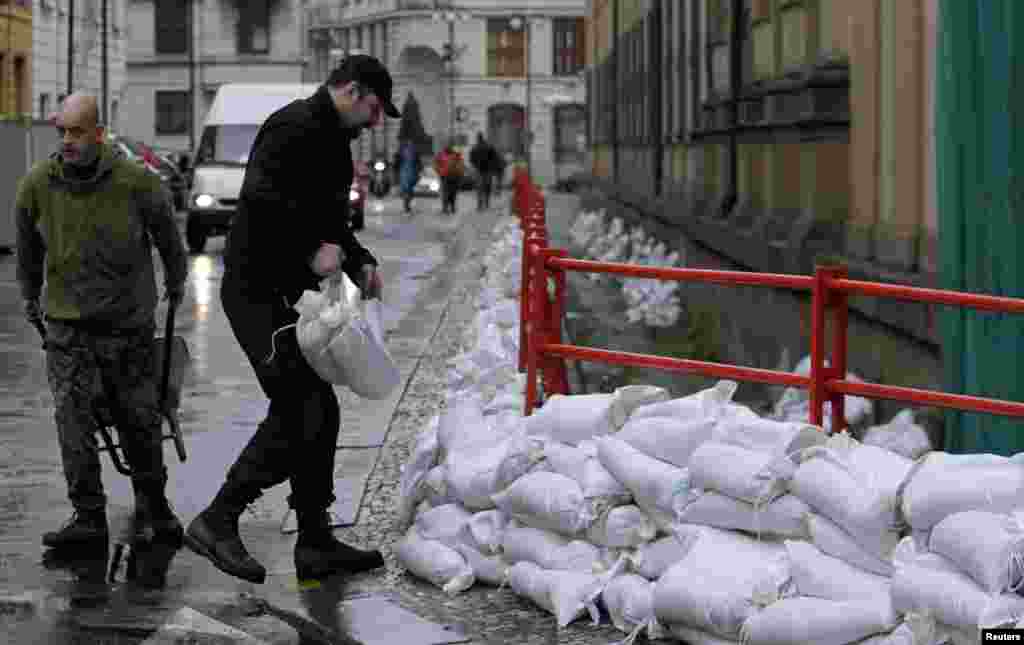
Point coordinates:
[[238, 111]]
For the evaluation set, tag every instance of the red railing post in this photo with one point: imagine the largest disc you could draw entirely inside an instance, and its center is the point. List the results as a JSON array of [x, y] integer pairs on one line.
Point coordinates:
[[535, 308], [556, 380], [819, 300], [840, 319]]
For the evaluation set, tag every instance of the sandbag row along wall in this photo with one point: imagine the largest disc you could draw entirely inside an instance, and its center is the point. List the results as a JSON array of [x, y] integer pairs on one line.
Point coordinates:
[[696, 519]]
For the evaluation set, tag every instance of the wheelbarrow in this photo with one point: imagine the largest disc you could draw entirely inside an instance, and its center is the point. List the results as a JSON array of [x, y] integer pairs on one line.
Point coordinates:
[[172, 374]]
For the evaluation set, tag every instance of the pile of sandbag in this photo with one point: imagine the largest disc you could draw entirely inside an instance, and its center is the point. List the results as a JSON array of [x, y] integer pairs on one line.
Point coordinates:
[[694, 518]]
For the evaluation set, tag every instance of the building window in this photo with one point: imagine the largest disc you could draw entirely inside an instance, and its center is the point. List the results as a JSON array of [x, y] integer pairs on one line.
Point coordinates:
[[44, 105], [20, 86], [506, 48], [569, 41], [171, 26], [172, 113], [570, 132], [254, 27], [112, 125]]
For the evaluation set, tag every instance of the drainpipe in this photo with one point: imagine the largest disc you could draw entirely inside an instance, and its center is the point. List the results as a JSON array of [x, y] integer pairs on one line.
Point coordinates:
[[71, 47], [191, 76], [104, 73], [616, 54], [654, 51], [735, 72]]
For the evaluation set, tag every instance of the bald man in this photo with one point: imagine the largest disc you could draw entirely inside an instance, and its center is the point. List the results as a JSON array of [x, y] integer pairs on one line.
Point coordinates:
[[87, 220]]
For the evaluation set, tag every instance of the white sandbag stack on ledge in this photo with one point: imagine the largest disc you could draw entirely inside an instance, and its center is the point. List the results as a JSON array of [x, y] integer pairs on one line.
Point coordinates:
[[693, 518]]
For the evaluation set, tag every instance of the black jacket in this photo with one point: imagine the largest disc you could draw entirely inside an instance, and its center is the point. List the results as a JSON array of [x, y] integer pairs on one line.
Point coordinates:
[[293, 199]]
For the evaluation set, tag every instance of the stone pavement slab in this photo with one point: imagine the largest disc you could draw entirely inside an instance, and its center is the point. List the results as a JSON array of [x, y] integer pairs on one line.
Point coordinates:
[[374, 620]]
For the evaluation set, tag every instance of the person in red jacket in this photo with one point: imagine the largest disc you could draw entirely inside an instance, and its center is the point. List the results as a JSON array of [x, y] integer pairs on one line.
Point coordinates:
[[450, 167]]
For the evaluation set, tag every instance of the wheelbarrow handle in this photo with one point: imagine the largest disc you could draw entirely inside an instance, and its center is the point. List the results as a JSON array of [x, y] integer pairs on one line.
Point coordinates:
[[172, 306], [41, 328]]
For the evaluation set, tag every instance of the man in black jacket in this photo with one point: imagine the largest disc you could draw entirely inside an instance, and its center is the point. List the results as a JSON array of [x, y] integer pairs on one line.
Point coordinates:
[[291, 230]]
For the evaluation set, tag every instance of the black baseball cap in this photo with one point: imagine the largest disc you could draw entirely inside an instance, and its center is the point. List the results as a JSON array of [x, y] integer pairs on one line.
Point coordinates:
[[370, 73]]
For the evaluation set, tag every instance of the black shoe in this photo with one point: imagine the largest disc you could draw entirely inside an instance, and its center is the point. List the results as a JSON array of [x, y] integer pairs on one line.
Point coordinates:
[[84, 527], [155, 519], [318, 554], [214, 535]]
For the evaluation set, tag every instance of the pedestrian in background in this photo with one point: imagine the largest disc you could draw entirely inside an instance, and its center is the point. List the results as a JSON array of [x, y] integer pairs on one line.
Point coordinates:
[[292, 230], [87, 220], [409, 170], [450, 168], [484, 158]]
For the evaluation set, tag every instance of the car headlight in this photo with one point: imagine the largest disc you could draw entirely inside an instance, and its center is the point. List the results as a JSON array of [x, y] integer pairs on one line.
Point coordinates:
[[435, 185], [353, 196], [204, 201], [379, 165]]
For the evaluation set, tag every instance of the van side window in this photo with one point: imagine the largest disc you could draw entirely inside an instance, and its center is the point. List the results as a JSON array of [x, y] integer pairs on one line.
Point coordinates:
[[207, 145]]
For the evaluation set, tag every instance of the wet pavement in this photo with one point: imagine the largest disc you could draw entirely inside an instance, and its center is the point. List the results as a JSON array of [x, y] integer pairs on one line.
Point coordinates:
[[169, 595]]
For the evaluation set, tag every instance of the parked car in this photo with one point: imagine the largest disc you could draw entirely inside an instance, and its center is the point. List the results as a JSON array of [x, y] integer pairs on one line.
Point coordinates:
[[429, 184], [166, 170], [357, 196]]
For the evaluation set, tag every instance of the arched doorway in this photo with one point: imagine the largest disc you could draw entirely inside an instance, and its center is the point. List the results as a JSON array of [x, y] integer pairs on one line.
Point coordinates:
[[421, 70], [506, 129]]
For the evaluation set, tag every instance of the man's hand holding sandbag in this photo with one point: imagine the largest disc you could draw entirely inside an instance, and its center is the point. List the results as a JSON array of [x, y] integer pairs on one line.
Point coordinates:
[[372, 285], [327, 260]]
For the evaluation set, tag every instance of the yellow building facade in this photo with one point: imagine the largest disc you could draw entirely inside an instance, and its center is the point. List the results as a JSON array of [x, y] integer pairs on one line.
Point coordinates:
[[794, 122], [15, 57]]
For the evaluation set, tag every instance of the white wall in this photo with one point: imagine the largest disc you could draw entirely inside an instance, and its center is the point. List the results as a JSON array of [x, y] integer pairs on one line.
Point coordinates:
[[50, 52]]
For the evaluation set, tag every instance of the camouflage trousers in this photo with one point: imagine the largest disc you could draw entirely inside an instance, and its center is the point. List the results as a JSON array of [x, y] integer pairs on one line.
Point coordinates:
[[100, 378]]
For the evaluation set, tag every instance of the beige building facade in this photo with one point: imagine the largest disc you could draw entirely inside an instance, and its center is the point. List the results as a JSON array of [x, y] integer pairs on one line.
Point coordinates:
[[487, 89]]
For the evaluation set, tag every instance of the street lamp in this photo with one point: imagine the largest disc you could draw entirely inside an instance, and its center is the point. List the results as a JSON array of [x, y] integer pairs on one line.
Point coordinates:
[[518, 23], [451, 16]]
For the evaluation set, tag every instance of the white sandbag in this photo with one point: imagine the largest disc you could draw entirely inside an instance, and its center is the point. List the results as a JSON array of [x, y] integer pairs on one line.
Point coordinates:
[[722, 581], [506, 401], [815, 621], [701, 405], [443, 523], [653, 559], [360, 350], [942, 484], [902, 635], [546, 500], [424, 457], [549, 550], [929, 584], [856, 486], [434, 562], [738, 472], [989, 547], [622, 527], [794, 404], [830, 538], [522, 456], [435, 490], [472, 476], [629, 600], [566, 594], [575, 418], [821, 575], [693, 636], [492, 569], [585, 469], [461, 425], [901, 435], [484, 531], [782, 517], [667, 438], [781, 439], [659, 488]]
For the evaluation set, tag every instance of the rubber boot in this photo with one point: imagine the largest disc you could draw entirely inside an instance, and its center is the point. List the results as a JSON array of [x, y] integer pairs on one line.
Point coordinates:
[[154, 517], [84, 528], [318, 554], [213, 534]]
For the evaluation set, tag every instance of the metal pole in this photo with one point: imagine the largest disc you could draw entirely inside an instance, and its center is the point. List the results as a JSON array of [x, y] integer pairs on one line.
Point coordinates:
[[104, 71], [191, 76], [529, 95], [451, 77], [71, 47]]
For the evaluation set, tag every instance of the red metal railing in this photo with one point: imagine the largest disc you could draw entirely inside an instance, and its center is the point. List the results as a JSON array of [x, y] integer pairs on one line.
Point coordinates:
[[542, 352]]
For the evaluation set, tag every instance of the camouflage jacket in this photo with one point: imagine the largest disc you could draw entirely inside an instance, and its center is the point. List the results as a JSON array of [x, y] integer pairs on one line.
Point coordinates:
[[91, 240]]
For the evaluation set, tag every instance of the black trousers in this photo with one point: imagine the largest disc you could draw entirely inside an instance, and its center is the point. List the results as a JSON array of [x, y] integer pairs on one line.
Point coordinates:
[[449, 193], [483, 195], [297, 439]]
